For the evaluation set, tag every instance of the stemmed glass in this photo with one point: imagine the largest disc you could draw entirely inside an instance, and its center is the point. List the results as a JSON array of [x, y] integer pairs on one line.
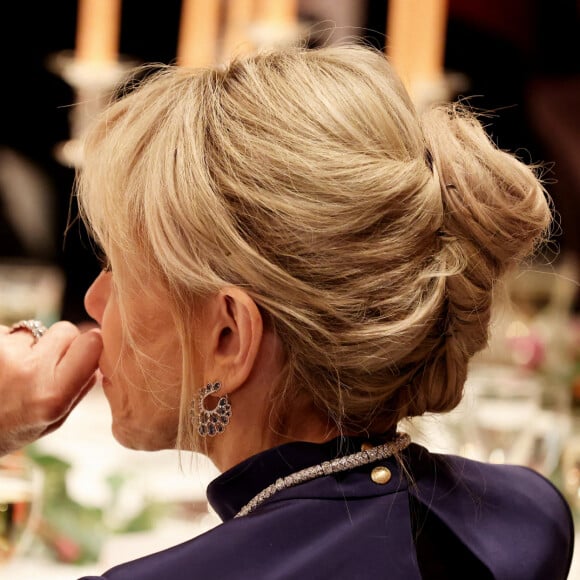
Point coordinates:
[[512, 416], [20, 493], [503, 408]]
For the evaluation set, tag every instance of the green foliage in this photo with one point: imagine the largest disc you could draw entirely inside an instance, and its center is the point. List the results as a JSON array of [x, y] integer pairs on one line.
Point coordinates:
[[75, 533]]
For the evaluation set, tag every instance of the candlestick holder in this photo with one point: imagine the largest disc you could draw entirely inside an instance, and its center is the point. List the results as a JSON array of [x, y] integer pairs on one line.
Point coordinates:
[[426, 93], [93, 85], [264, 34]]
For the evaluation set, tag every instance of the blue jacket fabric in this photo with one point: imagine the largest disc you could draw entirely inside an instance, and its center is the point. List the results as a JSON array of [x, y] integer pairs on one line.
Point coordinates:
[[439, 517]]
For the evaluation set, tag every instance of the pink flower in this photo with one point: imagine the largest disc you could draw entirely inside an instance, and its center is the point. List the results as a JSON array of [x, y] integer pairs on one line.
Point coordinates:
[[527, 351]]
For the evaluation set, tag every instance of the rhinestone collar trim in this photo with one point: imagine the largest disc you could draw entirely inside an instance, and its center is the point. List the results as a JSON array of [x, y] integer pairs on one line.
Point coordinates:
[[401, 441]]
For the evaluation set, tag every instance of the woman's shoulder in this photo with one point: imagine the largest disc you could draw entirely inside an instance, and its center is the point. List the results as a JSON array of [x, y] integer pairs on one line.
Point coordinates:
[[483, 484], [456, 514], [497, 511]]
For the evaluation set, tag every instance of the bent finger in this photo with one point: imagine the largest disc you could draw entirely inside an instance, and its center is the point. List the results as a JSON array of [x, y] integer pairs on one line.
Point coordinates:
[[56, 340], [79, 362]]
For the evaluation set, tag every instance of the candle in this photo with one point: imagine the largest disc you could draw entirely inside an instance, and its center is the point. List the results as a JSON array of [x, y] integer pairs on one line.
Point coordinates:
[[239, 16], [279, 12], [98, 27], [416, 31], [198, 31]]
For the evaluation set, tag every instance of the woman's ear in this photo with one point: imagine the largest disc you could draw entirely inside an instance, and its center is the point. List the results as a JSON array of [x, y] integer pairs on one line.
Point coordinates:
[[236, 336]]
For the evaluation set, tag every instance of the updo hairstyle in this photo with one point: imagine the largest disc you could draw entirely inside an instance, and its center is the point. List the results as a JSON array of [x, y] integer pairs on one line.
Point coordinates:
[[370, 237]]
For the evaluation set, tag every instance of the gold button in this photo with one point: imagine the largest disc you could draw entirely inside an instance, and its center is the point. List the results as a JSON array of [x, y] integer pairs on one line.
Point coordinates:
[[381, 475], [366, 446]]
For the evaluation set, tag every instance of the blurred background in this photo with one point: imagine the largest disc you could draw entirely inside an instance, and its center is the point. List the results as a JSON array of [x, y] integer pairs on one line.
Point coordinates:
[[517, 60]]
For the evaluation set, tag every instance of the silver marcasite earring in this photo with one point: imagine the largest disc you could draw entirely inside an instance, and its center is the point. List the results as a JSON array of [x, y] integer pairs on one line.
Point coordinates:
[[210, 422]]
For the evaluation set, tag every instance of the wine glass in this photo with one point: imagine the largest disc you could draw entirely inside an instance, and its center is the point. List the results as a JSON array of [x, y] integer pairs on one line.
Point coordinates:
[[571, 472], [503, 408], [20, 492]]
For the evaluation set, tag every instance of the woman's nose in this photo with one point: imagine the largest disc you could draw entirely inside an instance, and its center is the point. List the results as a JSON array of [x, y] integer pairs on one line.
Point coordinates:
[[97, 296]]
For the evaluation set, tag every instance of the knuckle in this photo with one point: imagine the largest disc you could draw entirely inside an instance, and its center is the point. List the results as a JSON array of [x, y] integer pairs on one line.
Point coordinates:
[[65, 328]]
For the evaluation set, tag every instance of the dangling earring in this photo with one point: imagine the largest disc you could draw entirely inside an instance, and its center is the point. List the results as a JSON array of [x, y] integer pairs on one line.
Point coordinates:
[[213, 421]]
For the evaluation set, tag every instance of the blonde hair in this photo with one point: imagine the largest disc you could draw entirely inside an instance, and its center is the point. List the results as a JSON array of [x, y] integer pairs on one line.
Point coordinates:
[[370, 237]]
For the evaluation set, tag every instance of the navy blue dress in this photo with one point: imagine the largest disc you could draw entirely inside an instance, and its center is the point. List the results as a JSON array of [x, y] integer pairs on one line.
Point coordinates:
[[438, 517]]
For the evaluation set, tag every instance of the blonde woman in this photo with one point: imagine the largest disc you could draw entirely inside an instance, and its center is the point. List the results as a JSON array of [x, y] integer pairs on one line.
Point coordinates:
[[297, 261]]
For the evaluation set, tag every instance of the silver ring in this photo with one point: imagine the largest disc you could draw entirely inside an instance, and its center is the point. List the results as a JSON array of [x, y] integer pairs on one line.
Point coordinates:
[[34, 326]]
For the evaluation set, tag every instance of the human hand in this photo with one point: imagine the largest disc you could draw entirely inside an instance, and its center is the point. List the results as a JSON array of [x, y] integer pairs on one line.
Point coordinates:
[[41, 382]]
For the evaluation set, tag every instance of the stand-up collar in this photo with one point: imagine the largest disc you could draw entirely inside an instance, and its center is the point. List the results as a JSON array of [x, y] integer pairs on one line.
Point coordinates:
[[234, 488]]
